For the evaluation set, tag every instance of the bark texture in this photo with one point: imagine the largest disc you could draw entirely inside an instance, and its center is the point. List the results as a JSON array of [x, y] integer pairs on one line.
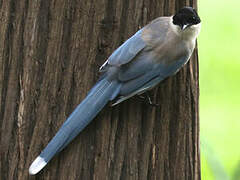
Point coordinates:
[[50, 52]]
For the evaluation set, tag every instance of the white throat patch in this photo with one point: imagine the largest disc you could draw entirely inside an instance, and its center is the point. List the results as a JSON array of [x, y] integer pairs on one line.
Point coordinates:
[[188, 33]]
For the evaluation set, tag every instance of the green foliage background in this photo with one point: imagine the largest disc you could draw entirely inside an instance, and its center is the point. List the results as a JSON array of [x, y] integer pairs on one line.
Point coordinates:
[[219, 48]]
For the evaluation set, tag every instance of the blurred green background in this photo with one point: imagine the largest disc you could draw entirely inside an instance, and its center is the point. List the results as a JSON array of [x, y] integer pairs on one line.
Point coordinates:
[[219, 45]]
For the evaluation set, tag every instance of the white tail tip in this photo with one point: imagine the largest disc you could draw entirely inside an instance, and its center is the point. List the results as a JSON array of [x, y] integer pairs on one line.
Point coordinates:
[[37, 165]]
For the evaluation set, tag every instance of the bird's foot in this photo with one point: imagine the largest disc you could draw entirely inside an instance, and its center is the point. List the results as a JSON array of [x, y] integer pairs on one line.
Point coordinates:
[[147, 99]]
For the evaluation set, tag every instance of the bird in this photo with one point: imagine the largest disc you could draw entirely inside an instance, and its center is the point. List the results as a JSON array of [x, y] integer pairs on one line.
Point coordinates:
[[153, 53]]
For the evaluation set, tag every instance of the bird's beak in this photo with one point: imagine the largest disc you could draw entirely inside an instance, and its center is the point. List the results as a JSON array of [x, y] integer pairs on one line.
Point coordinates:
[[185, 26]]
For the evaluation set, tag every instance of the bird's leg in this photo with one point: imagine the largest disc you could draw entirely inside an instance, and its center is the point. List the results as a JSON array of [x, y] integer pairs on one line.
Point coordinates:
[[147, 98], [150, 102]]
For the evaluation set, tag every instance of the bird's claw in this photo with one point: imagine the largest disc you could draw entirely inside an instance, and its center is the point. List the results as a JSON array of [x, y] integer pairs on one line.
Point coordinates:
[[147, 99]]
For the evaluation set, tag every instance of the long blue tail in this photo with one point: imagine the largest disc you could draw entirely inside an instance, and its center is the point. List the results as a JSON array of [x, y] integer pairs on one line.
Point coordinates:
[[98, 97]]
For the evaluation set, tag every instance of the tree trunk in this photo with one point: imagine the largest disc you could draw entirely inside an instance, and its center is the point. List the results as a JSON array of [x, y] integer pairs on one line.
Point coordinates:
[[50, 52]]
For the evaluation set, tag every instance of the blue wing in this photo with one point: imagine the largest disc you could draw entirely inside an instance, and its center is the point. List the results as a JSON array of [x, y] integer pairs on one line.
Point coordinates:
[[147, 37], [149, 79], [147, 86], [126, 52]]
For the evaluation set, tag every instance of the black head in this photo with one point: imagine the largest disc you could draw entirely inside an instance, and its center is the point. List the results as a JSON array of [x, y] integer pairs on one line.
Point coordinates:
[[186, 17]]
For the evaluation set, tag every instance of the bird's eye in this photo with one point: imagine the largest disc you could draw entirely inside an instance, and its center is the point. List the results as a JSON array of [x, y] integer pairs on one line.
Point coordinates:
[[193, 17]]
